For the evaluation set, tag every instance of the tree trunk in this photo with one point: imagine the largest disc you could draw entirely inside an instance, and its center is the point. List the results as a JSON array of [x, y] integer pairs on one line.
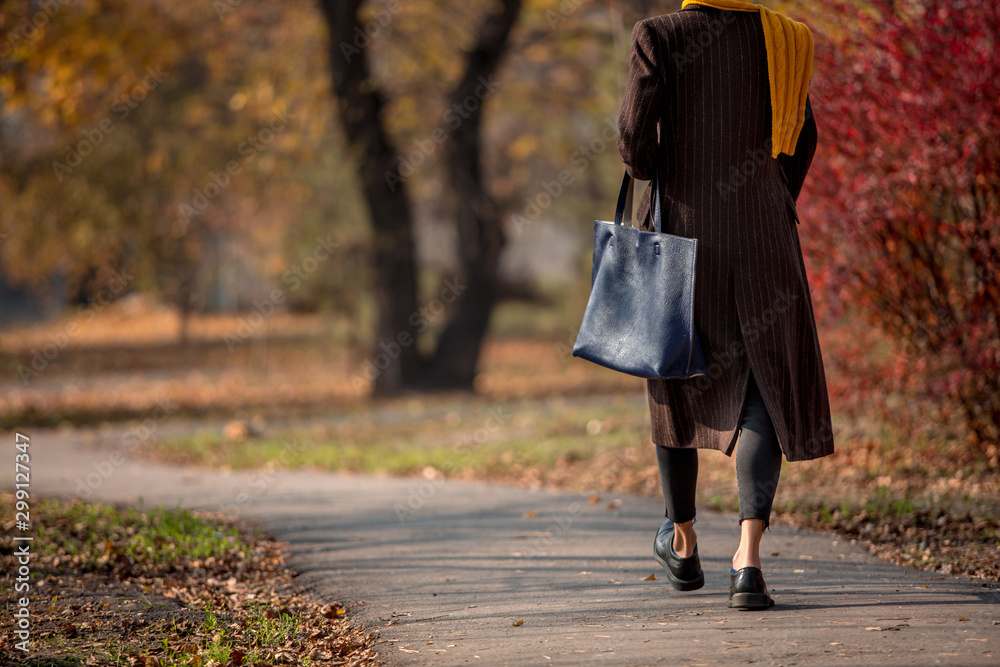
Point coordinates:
[[480, 236], [395, 360], [396, 363]]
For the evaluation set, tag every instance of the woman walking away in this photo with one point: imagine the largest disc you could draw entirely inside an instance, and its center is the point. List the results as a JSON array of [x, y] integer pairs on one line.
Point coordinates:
[[716, 106]]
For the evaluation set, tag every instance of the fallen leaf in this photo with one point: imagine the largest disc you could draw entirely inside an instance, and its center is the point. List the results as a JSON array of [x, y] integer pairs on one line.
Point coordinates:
[[516, 623], [530, 514], [886, 628], [594, 499], [651, 577]]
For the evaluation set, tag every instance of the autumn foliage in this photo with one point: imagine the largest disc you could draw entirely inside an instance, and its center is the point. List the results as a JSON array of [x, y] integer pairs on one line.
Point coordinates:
[[905, 194]]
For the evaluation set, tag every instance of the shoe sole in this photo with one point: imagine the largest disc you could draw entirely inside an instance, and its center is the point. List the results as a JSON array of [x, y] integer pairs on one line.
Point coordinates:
[[681, 584], [750, 601]]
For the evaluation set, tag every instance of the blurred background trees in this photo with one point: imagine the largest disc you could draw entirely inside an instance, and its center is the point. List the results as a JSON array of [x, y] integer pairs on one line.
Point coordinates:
[[246, 157], [469, 199], [107, 167], [147, 199]]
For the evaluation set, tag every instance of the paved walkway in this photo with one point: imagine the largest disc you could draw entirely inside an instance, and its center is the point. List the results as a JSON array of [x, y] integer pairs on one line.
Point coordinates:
[[468, 573]]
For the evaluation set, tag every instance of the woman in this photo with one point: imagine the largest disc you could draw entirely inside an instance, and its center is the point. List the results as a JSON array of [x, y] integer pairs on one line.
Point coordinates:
[[716, 106]]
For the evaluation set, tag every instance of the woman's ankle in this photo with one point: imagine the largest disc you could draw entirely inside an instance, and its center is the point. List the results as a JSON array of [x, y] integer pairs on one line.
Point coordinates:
[[741, 561], [685, 540], [748, 553]]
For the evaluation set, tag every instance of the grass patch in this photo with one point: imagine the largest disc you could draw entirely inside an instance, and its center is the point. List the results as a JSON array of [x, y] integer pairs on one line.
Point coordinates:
[[910, 532], [885, 505], [459, 438], [391, 457], [124, 586], [258, 636], [92, 534]]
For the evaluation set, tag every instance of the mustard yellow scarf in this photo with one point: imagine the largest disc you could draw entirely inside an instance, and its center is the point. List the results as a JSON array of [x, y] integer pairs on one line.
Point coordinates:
[[789, 67]]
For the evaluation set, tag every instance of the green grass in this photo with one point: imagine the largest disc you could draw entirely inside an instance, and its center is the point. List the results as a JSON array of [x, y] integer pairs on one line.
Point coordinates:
[[220, 643], [94, 532], [883, 504], [486, 439], [397, 458], [724, 503], [77, 541]]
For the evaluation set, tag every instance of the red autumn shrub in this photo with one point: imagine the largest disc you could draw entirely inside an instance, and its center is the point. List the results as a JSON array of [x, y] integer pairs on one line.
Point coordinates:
[[904, 195]]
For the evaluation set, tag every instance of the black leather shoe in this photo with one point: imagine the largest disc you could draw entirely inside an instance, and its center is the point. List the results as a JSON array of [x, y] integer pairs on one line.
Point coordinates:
[[747, 590], [684, 573]]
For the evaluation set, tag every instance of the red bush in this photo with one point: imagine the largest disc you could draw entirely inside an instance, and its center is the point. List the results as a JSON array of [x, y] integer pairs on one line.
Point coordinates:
[[905, 191]]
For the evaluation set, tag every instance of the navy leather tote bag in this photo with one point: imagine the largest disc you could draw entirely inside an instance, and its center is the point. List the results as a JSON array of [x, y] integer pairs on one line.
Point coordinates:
[[640, 316]]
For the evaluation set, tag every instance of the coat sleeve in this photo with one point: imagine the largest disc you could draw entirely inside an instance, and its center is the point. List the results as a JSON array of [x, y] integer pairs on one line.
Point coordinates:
[[794, 167], [642, 105]]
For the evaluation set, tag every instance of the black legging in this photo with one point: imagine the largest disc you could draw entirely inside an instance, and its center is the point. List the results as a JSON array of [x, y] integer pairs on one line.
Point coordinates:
[[758, 465]]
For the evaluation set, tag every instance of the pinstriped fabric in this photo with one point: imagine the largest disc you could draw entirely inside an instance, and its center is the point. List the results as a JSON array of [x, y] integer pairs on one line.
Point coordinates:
[[697, 108]]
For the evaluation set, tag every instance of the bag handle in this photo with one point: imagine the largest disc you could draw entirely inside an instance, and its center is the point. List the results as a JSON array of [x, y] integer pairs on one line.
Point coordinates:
[[623, 211]]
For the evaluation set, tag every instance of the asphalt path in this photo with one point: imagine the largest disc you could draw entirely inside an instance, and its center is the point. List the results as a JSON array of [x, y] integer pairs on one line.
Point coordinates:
[[456, 573]]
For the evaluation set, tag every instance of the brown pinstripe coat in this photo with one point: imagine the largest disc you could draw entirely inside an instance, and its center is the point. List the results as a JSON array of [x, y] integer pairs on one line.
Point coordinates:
[[697, 108]]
